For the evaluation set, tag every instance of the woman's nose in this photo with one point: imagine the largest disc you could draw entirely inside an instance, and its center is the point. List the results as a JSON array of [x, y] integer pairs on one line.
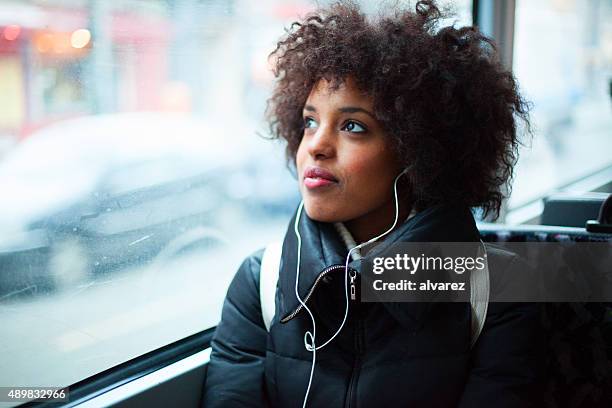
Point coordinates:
[[322, 144]]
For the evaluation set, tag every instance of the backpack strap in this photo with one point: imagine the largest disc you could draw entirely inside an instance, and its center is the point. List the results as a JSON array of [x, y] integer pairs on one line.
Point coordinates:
[[268, 277], [479, 295]]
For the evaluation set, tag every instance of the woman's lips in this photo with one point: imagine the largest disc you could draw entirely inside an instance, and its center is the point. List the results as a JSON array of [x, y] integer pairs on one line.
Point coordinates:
[[315, 177], [317, 182]]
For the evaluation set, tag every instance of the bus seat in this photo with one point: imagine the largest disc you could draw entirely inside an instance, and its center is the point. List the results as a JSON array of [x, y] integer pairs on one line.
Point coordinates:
[[571, 210]]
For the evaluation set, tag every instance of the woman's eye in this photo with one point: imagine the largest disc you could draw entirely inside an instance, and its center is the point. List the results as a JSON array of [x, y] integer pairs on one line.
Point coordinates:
[[354, 127], [309, 123]]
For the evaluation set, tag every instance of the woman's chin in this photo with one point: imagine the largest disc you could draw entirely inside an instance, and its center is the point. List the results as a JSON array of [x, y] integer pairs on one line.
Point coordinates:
[[322, 213]]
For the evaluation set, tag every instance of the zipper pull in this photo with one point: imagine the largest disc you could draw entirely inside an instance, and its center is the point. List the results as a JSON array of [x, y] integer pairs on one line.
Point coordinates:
[[353, 275]]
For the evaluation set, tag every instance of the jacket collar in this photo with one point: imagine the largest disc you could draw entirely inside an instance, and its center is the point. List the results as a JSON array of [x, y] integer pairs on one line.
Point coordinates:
[[322, 247]]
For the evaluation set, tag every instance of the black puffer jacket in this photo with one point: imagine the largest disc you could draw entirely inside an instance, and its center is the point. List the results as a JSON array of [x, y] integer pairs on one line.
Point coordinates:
[[387, 354]]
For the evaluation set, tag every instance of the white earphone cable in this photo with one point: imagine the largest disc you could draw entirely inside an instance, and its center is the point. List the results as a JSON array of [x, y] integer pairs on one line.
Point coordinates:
[[297, 295], [348, 257], [312, 346]]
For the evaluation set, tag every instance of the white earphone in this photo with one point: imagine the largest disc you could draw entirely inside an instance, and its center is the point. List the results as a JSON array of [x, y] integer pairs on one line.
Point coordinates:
[[312, 335]]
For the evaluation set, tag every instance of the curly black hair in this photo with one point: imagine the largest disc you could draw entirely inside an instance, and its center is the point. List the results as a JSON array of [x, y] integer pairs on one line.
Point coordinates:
[[441, 94]]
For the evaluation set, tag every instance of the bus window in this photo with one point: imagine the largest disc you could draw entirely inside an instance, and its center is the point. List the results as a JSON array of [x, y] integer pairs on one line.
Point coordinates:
[[132, 175], [563, 63]]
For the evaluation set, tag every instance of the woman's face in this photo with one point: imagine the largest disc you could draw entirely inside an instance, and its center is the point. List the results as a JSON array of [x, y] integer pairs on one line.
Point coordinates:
[[346, 167]]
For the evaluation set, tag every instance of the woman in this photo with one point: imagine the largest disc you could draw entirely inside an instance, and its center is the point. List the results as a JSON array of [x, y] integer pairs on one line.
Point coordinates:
[[379, 113]]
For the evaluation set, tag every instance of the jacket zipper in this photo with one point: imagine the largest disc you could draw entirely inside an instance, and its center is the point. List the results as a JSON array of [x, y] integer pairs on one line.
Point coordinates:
[[352, 275], [351, 395]]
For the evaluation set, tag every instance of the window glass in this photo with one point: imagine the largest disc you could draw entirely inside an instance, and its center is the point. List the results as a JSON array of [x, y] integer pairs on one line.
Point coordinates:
[[563, 63], [133, 179]]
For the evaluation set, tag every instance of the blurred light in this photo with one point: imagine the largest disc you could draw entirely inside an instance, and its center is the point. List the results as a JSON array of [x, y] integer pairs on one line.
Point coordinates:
[[11, 32], [44, 42], [176, 97], [80, 38], [61, 43]]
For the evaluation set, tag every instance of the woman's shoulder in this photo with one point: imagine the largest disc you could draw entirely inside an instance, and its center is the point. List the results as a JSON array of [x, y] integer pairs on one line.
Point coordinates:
[[247, 275], [242, 297]]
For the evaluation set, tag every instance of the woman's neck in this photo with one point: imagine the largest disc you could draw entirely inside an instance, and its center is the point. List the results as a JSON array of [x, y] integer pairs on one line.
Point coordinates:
[[376, 222]]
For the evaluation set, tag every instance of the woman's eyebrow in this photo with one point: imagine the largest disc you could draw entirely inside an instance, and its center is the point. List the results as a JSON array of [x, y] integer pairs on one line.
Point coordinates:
[[345, 109], [353, 109]]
